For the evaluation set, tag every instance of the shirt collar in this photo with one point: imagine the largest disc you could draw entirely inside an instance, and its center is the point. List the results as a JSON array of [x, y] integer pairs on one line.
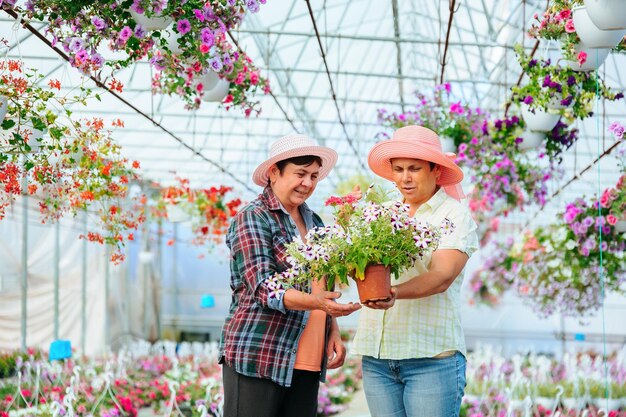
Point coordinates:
[[436, 200], [273, 203]]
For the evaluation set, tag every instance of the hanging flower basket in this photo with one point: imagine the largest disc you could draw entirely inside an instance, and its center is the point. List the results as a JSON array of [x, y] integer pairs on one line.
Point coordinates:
[[590, 35], [589, 59], [538, 120], [531, 140], [607, 14]]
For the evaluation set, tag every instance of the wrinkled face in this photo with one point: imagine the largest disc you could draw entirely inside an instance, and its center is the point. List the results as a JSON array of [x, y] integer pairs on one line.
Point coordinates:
[[295, 184], [415, 180]]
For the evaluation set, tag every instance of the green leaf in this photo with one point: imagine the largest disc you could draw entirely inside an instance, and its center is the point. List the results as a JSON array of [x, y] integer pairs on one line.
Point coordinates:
[[29, 164], [38, 123], [8, 124]]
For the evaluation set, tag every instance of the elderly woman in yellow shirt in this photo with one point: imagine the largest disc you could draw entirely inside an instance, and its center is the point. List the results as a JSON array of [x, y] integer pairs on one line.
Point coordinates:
[[413, 345]]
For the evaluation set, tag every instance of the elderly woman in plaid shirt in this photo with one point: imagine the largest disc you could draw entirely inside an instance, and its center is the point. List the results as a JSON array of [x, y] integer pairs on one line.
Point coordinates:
[[277, 342]]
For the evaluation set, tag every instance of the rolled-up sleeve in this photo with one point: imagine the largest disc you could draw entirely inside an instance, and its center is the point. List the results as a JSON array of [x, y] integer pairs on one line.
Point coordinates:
[[251, 243], [463, 236]]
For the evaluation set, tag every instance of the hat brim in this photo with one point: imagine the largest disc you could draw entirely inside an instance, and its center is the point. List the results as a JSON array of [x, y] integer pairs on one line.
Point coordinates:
[[379, 160], [327, 155]]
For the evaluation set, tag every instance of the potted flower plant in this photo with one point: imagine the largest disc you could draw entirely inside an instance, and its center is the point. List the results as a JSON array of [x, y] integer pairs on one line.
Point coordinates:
[[454, 122], [367, 238], [558, 90]]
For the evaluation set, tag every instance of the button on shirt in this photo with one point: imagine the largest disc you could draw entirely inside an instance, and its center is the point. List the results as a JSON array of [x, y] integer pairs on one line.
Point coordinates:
[[429, 326], [260, 337]]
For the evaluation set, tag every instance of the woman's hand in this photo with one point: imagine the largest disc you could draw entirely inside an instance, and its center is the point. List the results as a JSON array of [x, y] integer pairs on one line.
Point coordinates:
[[335, 349], [384, 304], [326, 302]]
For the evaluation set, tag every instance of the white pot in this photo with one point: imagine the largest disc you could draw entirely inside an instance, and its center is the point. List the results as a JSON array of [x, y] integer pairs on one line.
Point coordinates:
[[172, 37], [145, 257], [595, 58], [175, 214], [573, 403], [36, 137], [589, 33], [447, 144], [4, 107], [620, 226], [546, 402], [516, 405], [208, 80], [607, 14], [217, 93], [150, 23], [540, 120], [531, 140]]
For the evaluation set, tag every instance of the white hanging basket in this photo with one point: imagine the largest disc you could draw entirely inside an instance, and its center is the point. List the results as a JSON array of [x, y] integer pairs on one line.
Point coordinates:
[[595, 58], [540, 120], [150, 23], [4, 107], [531, 140], [607, 14], [217, 93], [208, 80], [172, 37], [546, 402], [573, 403], [620, 226], [591, 35], [175, 214], [447, 144]]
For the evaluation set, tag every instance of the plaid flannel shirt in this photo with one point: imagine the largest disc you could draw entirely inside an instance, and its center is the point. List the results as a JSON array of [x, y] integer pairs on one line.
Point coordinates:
[[260, 337]]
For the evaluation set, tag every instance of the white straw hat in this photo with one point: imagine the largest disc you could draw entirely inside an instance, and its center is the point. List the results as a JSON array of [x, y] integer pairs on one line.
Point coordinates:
[[291, 146]]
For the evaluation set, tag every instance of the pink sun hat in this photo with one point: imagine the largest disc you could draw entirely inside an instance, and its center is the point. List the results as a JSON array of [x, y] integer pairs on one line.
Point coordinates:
[[417, 142], [292, 146]]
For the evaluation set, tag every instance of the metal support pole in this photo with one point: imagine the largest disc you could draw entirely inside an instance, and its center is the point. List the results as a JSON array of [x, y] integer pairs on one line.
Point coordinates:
[[24, 292], [83, 288], [57, 256], [174, 277], [107, 281], [159, 284]]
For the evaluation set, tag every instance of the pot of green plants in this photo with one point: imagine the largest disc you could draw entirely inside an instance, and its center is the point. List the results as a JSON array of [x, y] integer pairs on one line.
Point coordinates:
[[447, 144], [590, 34], [607, 14], [376, 285]]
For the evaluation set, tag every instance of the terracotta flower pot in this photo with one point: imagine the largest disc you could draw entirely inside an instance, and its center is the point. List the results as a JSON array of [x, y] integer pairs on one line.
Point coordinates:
[[376, 285]]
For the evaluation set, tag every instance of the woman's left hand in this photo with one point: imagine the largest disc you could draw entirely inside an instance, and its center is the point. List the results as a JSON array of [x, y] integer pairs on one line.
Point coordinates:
[[335, 350]]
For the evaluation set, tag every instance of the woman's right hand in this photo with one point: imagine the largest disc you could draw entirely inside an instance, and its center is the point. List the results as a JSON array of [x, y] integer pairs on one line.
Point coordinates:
[[326, 302]]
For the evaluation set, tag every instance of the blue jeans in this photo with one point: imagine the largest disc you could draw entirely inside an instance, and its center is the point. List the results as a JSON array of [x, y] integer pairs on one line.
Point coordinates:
[[425, 387]]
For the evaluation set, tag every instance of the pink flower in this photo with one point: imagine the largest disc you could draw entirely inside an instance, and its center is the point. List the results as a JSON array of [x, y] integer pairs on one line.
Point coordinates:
[[611, 219], [605, 201], [565, 14], [205, 48], [254, 78], [569, 26], [582, 57], [125, 34], [183, 26], [456, 108], [240, 78]]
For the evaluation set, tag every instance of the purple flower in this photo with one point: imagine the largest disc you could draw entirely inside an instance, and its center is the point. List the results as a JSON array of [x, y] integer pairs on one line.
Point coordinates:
[[82, 55], [532, 63], [76, 44], [546, 81], [528, 100], [183, 26], [207, 36], [98, 23], [567, 101], [137, 7], [97, 60], [199, 15], [571, 80], [216, 64], [125, 34], [252, 5], [140, 32]]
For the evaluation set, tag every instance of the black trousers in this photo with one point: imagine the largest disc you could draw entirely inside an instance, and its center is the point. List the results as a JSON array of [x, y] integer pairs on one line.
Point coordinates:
[[245, 396]]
